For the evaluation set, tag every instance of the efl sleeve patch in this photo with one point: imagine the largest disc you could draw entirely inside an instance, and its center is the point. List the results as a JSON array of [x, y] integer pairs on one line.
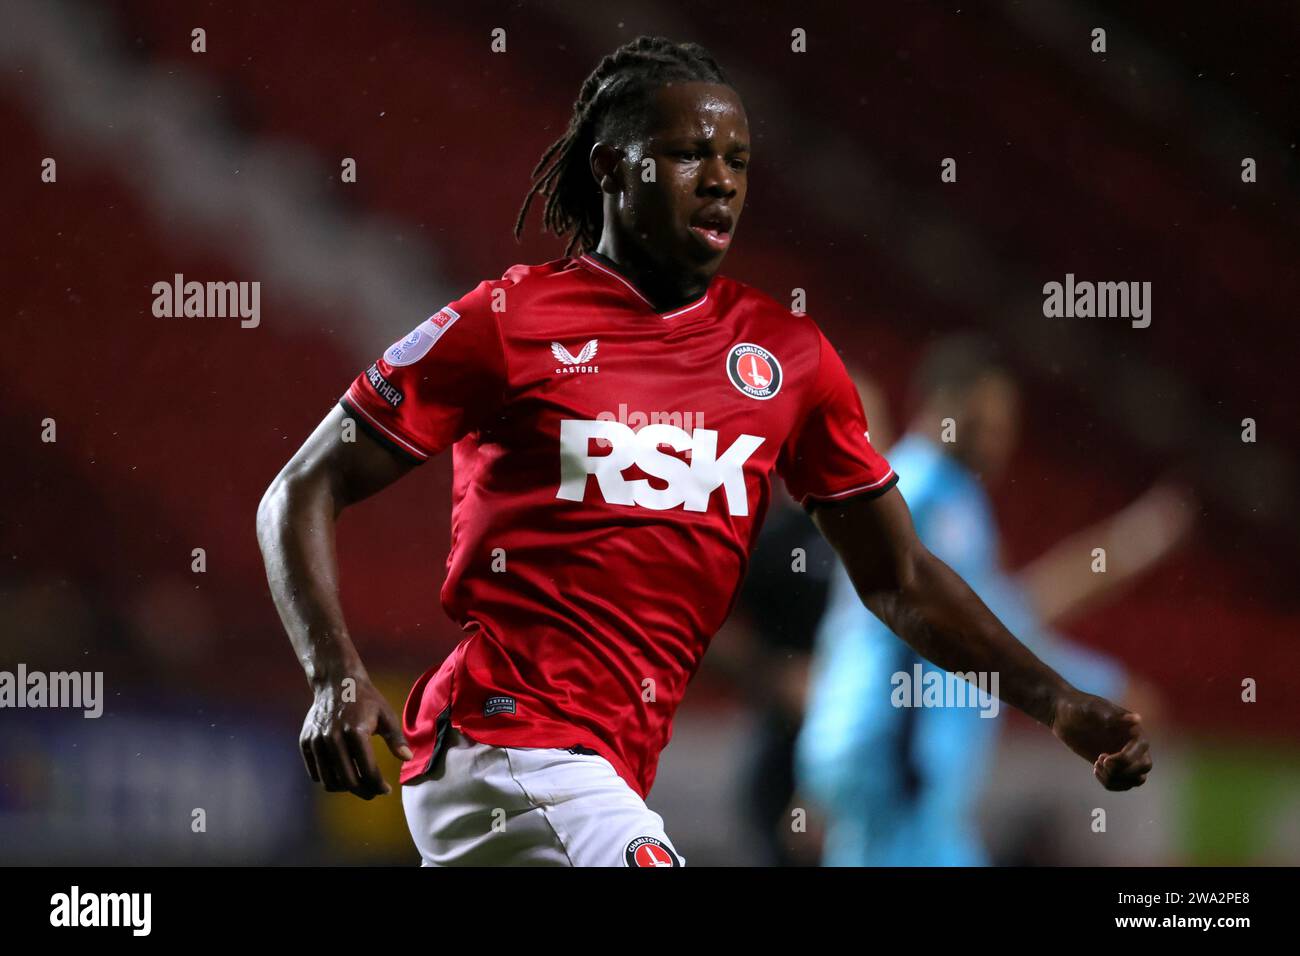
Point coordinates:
[[416, 345], [420, 399]]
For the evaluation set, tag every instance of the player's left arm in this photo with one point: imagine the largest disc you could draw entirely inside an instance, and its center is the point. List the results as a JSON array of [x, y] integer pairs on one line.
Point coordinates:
[[931, 608]]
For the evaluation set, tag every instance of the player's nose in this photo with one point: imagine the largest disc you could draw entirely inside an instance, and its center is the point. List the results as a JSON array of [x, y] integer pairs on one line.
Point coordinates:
[[717, 178]]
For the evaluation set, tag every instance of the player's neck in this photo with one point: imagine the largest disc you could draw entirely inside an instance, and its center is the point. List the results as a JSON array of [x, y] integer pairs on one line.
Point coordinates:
[[664, 291]]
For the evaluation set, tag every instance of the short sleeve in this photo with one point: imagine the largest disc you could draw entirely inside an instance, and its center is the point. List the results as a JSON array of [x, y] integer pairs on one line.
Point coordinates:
[[437, 384], [829, 456]]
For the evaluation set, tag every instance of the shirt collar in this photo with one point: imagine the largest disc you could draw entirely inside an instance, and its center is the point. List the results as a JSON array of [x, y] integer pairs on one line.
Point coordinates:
[[603, 265]]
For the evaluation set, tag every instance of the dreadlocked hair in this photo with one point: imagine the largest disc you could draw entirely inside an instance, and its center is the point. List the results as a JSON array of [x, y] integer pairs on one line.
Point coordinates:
[[614, 100]]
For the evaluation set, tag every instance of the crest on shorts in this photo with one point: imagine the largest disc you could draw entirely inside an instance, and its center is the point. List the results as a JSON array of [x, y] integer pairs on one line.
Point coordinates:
[[647, 851], [754, 371]]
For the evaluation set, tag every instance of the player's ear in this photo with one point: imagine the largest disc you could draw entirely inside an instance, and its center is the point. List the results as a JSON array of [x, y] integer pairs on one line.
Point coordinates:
[[605, 167]]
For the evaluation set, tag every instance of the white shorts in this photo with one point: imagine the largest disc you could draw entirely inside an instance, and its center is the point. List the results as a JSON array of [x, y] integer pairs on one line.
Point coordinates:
[[526, 806]]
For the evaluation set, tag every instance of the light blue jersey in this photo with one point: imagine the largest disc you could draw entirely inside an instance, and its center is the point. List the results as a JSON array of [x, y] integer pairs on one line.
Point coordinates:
[[901, 785]]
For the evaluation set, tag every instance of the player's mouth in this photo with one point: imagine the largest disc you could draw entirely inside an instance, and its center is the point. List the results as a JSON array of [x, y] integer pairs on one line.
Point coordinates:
[[713, 225]]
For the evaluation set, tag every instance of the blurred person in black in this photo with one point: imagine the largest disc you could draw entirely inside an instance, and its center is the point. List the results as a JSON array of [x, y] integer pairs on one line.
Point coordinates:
[[768, 650]]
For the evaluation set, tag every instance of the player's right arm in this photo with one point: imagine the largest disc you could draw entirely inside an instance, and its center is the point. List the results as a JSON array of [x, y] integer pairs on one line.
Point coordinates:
[[295, 527], [444, 380]]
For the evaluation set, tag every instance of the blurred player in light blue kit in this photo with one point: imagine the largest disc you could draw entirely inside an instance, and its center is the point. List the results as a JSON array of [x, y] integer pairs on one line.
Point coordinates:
[[900, 785]]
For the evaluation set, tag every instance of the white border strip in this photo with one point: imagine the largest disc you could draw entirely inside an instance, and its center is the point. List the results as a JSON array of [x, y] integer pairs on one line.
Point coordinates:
[[852, 491], [422, 455]]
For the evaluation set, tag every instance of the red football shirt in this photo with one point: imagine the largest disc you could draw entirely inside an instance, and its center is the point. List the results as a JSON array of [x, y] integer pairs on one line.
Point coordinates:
[[612, 467]]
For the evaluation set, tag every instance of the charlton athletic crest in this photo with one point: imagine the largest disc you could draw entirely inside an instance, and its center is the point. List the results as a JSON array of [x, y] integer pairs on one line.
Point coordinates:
[[647, 851], [754, 370]]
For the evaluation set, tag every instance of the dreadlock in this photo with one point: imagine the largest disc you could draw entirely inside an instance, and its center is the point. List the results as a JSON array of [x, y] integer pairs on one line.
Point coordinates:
[[614, 100]]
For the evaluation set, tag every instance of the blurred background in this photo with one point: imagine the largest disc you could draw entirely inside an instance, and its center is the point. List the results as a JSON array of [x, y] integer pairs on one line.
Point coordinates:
[[225, 165]]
